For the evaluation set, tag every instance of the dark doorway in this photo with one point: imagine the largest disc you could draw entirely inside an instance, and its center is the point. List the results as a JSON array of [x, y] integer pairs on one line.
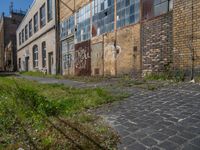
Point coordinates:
[[51, 63], [26, 63]]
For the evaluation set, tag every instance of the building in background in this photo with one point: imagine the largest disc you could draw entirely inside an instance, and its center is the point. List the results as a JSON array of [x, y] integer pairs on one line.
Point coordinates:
[[36, 38], [8, 48]]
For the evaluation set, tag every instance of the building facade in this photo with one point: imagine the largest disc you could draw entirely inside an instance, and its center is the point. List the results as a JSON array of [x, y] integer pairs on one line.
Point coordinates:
[[8, 48], [36, 38], [186, 36], [115, 37]]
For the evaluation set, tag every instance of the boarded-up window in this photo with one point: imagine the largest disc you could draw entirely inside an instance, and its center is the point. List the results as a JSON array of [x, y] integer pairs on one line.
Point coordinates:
[[153, 8], [147, 9]]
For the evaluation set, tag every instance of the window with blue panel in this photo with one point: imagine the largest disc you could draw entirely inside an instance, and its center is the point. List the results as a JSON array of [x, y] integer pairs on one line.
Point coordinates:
[[128, 12], [83, 24], [67, 27], [102, 16]]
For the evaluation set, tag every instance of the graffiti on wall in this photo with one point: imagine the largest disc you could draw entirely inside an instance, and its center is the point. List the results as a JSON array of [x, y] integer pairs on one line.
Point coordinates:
[[83, 58]]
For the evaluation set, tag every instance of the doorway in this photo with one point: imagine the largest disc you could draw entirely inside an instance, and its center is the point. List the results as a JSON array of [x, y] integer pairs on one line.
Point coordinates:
[[26, 63], [51, 61]]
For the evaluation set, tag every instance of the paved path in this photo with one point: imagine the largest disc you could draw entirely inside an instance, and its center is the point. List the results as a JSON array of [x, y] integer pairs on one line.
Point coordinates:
[[168, 118], [72, 83], [165, 119]]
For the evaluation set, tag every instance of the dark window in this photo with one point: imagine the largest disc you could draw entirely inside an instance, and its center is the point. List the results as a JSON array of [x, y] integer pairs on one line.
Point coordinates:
[[42, 16], [26, 32], [19, 63], [67, 27], [44, 54], [35, 56], [20, 38], [36, 22], [153, 8], [23, 36], [161, 7], [49, 10], [30, 28]]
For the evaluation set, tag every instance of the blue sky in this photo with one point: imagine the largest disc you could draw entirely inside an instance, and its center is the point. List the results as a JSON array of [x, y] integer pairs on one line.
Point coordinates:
[[18, 4]]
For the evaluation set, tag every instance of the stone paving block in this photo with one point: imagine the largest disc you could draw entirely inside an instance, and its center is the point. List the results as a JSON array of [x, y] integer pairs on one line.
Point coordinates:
[[190, 147], [155, 148], [148, 141], [169, 116], [123, 132], [159, 136], [132, 129], [167, 145], [168, 131], [136, 146], [139, 135], [127, 140], [196, 142], [187, 135], [194, 129], [178, 140]]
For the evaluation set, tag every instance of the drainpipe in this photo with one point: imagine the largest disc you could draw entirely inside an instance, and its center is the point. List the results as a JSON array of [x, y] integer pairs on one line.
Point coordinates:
[[115, 42], [57, 34], [103, 57], [192, 47]]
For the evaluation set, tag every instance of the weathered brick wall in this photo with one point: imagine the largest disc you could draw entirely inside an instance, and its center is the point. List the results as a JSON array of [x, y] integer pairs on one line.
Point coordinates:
[[156, 43], [124, 59], [129, 54], [186, 34]]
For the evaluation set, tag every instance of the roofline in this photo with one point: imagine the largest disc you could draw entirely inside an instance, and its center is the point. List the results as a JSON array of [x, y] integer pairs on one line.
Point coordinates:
[[26, 14]]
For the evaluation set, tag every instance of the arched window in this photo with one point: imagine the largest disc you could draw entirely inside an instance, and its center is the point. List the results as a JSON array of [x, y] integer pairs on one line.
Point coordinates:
[[44, 54], [35, 56]]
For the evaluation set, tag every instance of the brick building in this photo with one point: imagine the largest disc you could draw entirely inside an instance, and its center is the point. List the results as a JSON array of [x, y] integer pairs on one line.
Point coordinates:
[[36, 38], [116, 37], [8, 27]]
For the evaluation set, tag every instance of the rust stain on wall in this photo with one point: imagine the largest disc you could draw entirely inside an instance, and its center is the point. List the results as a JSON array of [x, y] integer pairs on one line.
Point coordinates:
[[83, 58]]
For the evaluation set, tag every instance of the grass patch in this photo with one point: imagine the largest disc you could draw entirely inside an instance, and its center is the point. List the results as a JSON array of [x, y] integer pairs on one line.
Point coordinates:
[[26, 107], [90, 79], [176, 76]]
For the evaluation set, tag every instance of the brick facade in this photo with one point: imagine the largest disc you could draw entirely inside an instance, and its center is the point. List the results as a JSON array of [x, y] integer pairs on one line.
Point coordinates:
[[45, 34], [186, 34], [8, 27], [156, 43]]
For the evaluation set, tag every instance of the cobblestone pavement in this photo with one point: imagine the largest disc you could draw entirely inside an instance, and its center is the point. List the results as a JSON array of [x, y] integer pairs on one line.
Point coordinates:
[[165, 119]]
